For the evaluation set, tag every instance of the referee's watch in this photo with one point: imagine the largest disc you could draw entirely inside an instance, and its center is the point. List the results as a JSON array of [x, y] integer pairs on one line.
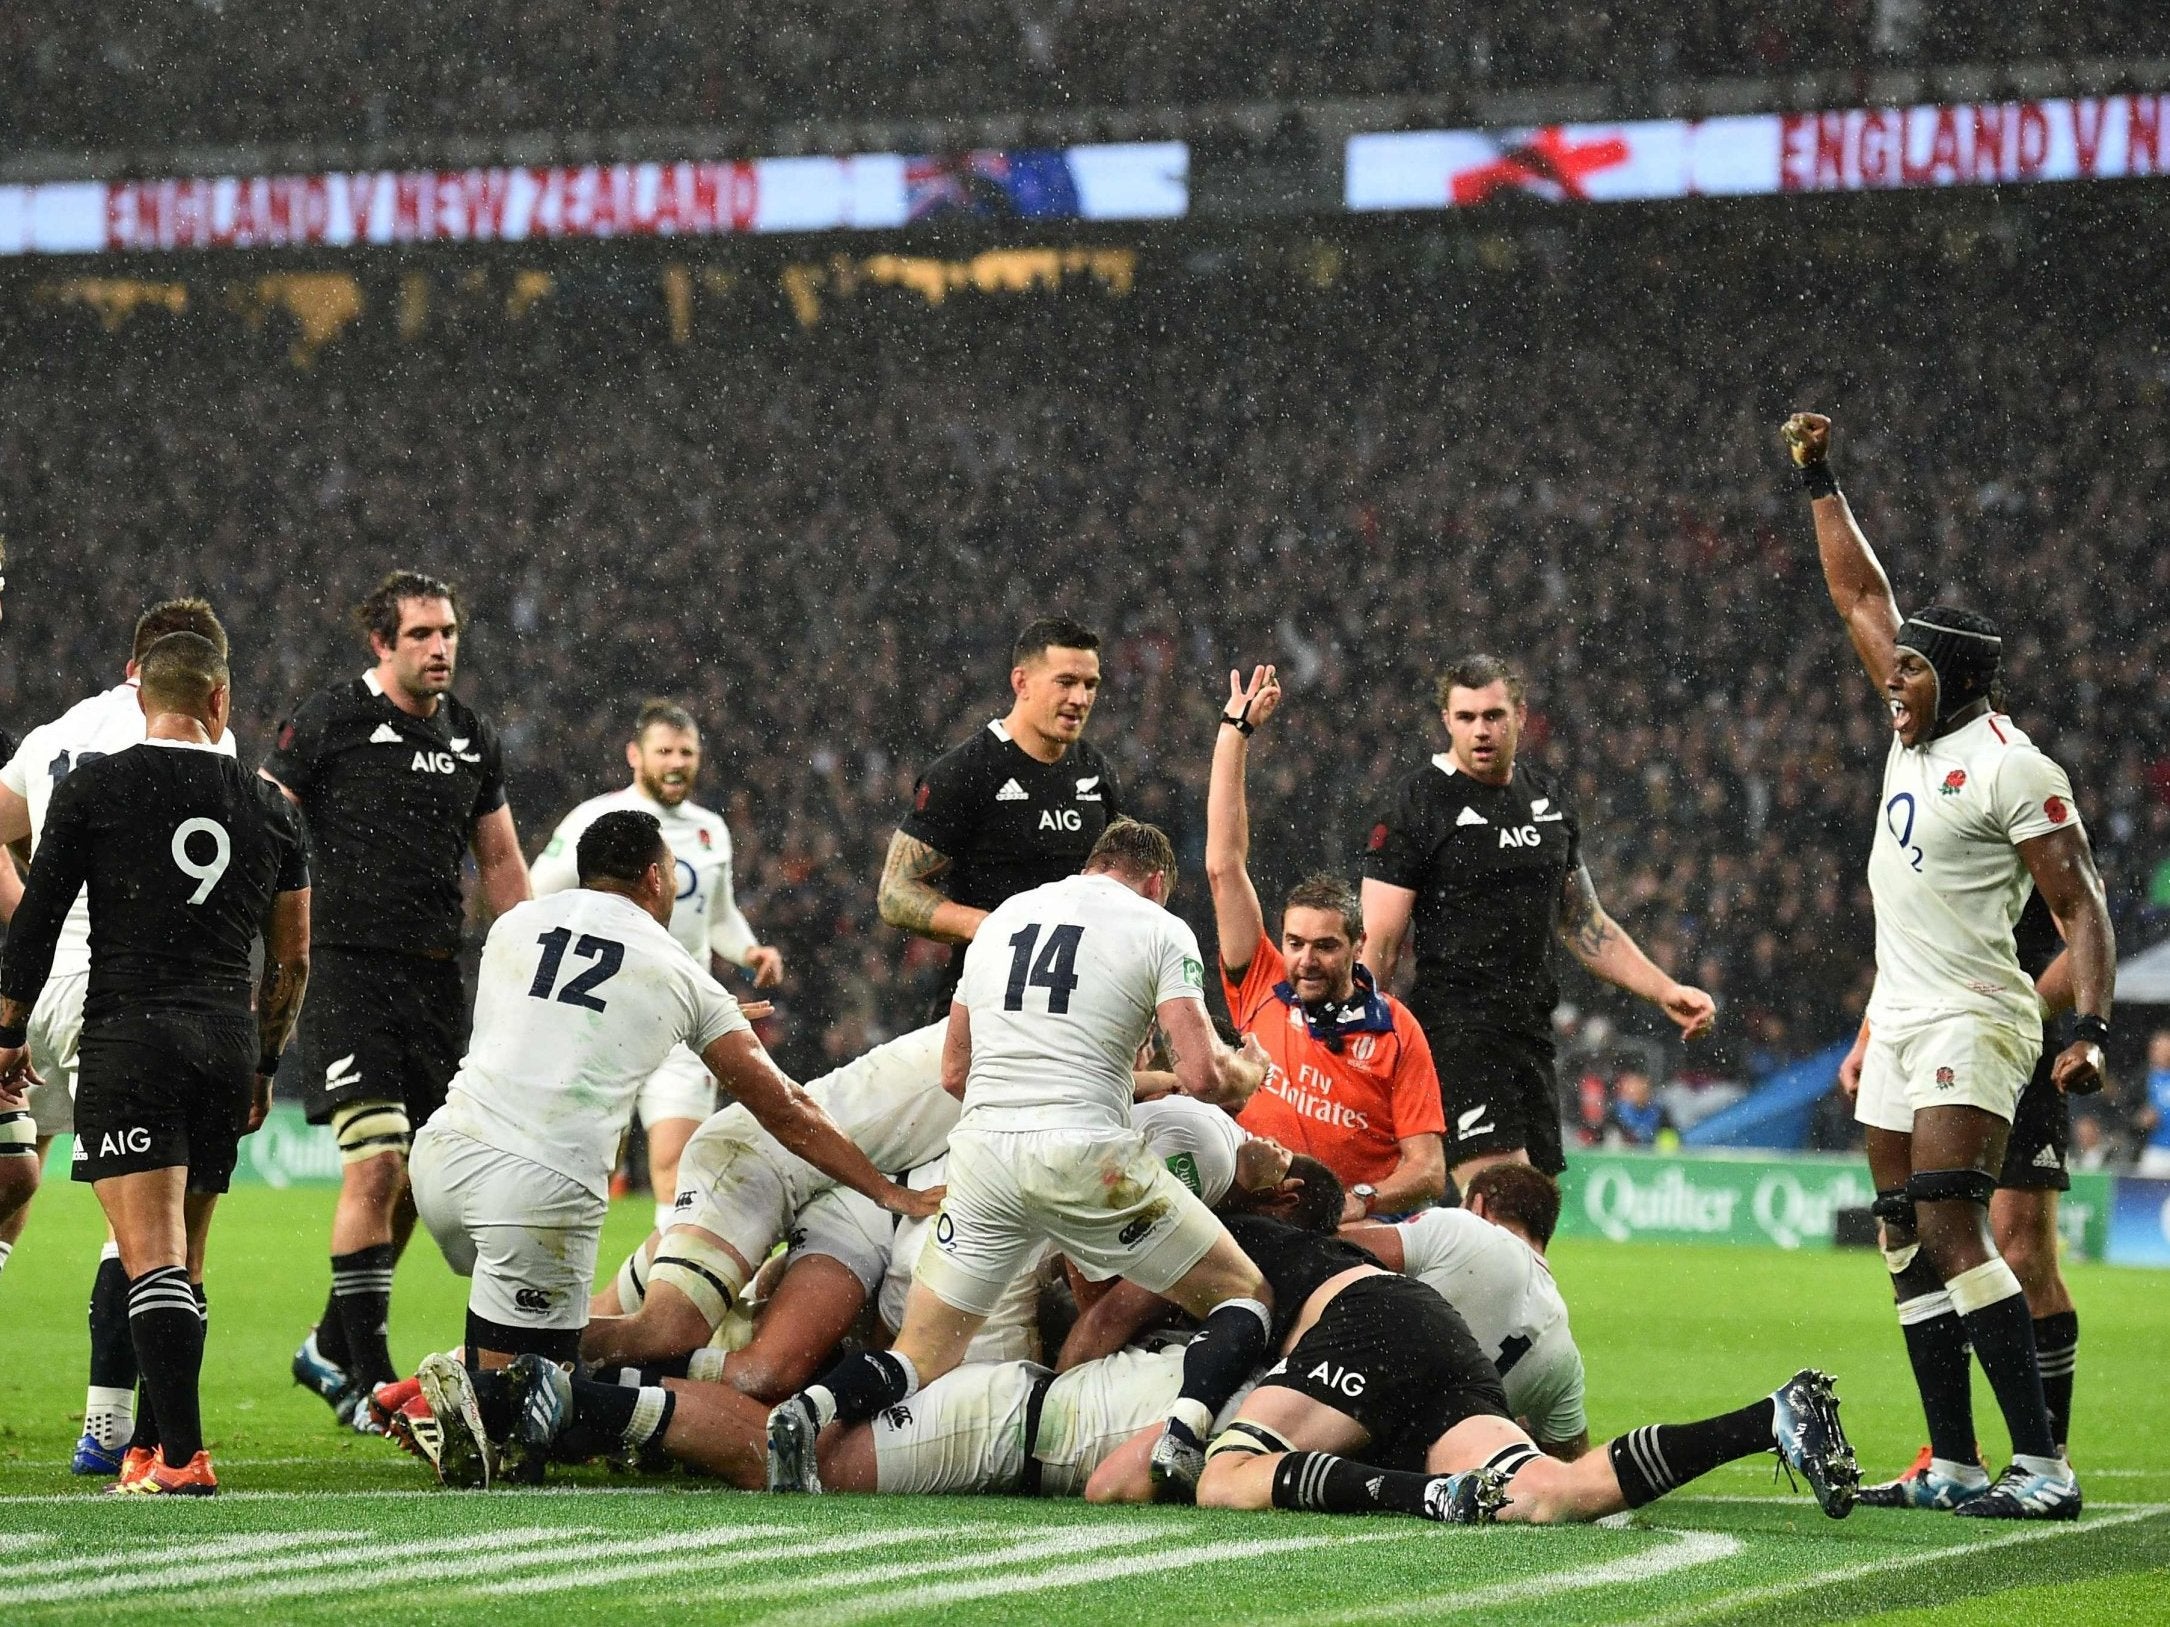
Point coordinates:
[[1366, 1194]]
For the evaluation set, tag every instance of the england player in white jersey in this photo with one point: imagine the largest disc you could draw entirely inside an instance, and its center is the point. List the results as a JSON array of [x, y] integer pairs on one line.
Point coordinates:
[[579, 997], [1487, 1260], [99, 726], [665, 756], [1971, 812], [1060, 987], [739, 1188]]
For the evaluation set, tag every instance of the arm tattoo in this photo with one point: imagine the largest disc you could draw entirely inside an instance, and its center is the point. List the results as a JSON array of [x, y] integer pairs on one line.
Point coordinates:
[[1583, 921], [906, 898], [278, 1004]]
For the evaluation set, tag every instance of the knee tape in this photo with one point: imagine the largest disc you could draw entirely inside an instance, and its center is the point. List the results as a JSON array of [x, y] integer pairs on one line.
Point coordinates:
[[703, 1271], [1896, 1260], [1247, 1440], [632, 1283], [18, 1134], [1895, 1207], [365, 1129], [1982, 1286], [1942, 1185]]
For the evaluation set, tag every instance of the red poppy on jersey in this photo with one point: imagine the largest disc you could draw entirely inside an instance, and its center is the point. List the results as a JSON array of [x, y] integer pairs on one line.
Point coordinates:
[[919, 798], [2056, 809], [1378, 838], [1350, 1110]]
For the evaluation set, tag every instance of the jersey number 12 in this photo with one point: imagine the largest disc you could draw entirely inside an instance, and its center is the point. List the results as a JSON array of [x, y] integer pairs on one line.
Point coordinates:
[[607, 955], [1055, 970]]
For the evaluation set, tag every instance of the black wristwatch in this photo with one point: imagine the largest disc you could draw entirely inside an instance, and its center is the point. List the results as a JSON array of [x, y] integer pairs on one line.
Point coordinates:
[[2089, 1029]]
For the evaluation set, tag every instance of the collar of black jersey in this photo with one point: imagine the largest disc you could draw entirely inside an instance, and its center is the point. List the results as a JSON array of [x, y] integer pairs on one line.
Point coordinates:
[[1331, 1021]]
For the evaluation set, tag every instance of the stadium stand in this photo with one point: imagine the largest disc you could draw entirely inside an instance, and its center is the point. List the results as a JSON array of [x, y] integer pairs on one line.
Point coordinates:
[[1351, 459], [114, 74]]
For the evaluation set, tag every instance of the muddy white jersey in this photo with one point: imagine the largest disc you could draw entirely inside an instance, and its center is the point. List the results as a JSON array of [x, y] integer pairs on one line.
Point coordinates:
[[1506, 1294], [1198, 1143], [706, 916], [580, 997], [1062, 983], [98, 727], [1947, 876]]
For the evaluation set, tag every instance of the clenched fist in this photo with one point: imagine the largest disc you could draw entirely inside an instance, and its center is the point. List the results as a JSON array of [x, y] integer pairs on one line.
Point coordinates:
[[1808, 437]]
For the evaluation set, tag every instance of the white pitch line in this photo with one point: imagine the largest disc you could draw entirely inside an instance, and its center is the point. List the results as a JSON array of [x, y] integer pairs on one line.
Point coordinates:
[[486, 1563], [185, 1575], [1897, 1562], [643, 1570], [1689, 1549], [936, 1594], [11, 1543], [209, 1548]]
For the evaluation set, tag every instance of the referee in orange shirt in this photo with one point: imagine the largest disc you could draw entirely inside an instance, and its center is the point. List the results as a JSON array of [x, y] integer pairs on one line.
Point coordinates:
[[1352, 1081]]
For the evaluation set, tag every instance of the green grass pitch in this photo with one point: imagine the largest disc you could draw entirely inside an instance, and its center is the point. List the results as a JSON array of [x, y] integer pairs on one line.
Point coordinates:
[[312, 1525]]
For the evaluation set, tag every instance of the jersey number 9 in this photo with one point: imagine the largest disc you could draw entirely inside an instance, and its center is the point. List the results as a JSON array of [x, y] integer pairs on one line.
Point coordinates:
[[206, 876]]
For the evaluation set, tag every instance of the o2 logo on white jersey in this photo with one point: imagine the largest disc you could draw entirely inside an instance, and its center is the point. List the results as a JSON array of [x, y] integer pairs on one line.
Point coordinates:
[[1904, 837], [688, 883]]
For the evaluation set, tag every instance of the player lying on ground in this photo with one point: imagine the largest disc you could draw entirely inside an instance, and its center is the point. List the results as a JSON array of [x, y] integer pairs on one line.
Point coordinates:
[[581, 996], [986, 1426], [1380, 1365], [1971, 812]]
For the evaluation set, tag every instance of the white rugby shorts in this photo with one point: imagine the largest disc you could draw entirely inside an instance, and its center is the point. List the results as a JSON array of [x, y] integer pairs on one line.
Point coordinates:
[[849, 1228], [1955, 1061], [682, 1088], [1099, 1196], [965, 1432], [55, 1032], [526, 1235]]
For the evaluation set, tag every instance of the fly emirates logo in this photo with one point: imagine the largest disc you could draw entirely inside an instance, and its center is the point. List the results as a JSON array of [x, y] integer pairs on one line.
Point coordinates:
[[1310, 1095]]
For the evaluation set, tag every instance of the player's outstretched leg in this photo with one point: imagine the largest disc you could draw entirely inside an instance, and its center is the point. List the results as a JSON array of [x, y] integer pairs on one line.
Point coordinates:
[[557, 1417], [109, 1407], [851, 1392]]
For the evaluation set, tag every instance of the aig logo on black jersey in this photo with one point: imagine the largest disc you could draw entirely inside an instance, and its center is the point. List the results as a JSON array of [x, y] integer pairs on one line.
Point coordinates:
[[1519, 836], [434, 762], [1061, 819]]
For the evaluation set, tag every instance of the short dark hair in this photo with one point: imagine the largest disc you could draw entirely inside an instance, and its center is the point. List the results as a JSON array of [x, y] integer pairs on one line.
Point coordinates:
[[1320, 1200], [178, 672], [1480, 672], [177, 616], [668, 713], [1327, 892], [1520, 1193], [378, 615], [620, 846], [1052, 633], [1135, 848]]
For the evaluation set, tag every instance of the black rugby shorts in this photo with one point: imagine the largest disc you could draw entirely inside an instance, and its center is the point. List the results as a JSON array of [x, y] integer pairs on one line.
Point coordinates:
[[164, 1090], [2034, 1155], [381, 1027], [1500, 1090]]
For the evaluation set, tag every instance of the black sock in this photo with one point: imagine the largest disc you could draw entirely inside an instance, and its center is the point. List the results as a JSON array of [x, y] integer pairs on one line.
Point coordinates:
[[860, 1386], [2057, 1353], [1936, 1347], [331, 1327], [493, 1398], [145, 1439], [611, 1417], [167, 1326], [362, 1291], [1230, 1345], [112, 1349], [1320, 1483], [1658, 1458], [2002, 1334]]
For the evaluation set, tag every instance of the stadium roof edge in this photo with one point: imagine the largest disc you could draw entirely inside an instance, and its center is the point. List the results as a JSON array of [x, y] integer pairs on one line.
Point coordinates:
[[1329, 121]]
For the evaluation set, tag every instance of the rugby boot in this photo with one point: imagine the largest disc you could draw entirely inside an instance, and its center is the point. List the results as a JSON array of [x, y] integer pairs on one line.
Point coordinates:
[[466, 1456], [414, 1430], [2021, 1494], [93, 1456], [542, 1405], [387, 1401], [1474, 1497], [1920, 1487], [1804, 1420], [1179, 1458], [159, 1479], [312, 1370], [792, 1432], [135, 1464]]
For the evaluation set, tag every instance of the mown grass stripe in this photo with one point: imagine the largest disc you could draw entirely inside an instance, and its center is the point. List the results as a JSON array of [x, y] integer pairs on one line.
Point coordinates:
[[646, 1570], [204, 1549], [1842, 1574], [1687, 1550]]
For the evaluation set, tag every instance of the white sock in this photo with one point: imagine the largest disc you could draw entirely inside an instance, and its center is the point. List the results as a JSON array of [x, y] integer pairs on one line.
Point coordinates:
[[5, 1250], [1966, 1474], [109, 1416], [2051, 1468], [1192, 1415]]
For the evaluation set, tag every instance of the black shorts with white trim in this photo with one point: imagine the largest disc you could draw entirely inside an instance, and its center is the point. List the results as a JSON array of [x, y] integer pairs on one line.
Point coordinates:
[[164, 1090]]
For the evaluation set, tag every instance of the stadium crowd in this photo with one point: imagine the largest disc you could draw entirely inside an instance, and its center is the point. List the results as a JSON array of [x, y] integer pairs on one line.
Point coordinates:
[[822, 540], [111, 74]]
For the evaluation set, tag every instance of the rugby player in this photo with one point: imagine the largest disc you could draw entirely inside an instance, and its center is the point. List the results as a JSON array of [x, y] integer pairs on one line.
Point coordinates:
[[1016, 805], [665, 757], [1352, 1081], [1487, 1260], [99, 726], [1482, 855], [185, 859], [398, 780], [580, 997], [1378, 1364], [1970, 811], [1059, 990]]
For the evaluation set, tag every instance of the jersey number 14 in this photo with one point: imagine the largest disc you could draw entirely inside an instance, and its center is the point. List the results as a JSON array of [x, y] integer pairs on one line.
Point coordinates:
[[1055, 970]]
